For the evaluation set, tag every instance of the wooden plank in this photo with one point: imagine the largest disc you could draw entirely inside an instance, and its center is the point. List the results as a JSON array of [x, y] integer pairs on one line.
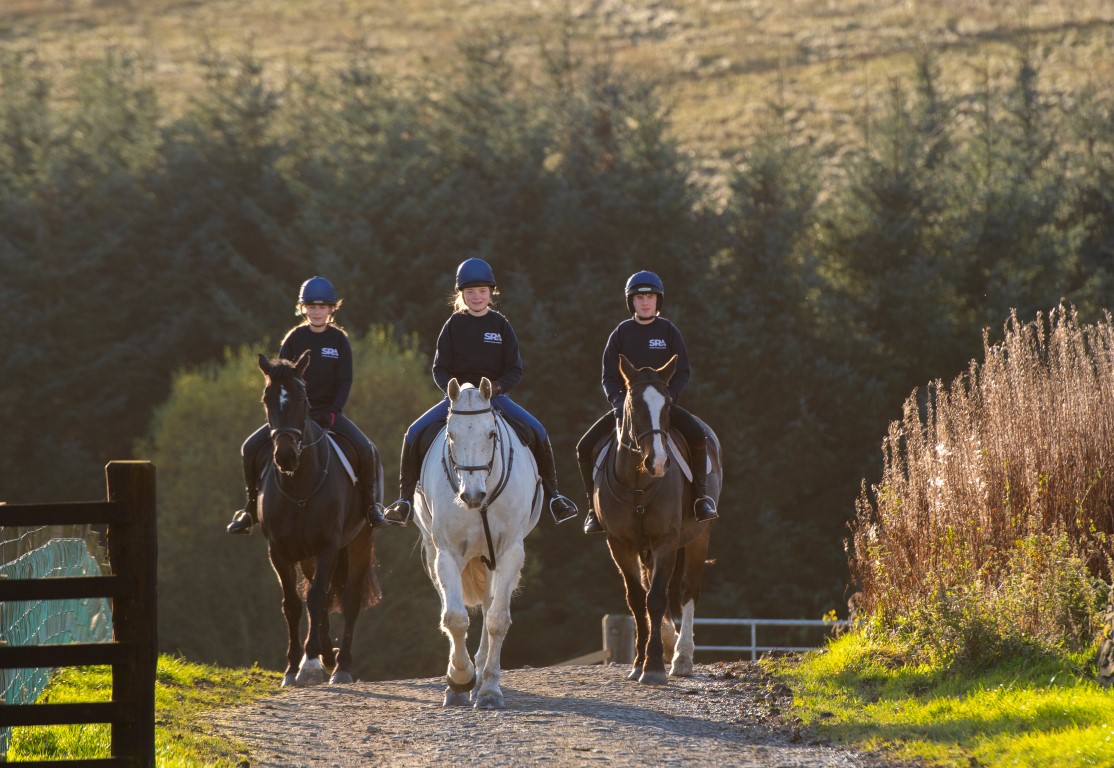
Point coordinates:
[[63, 655], [64, 588], [70, 513], [13, 715]]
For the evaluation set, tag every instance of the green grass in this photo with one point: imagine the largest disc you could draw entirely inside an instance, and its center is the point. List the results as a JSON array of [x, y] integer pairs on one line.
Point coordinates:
[[1034, 711], [186, 695], [721, 64]]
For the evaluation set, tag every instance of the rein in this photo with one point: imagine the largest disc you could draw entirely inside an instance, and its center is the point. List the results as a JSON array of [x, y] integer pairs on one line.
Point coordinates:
[[448, 462]]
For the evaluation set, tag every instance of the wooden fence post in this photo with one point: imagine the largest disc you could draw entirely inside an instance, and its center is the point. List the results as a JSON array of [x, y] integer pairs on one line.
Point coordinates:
[[618, 638], [133, 554]]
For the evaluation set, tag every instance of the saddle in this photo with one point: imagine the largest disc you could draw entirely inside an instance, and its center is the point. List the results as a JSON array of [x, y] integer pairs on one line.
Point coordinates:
[[678, 447], [525, 434]]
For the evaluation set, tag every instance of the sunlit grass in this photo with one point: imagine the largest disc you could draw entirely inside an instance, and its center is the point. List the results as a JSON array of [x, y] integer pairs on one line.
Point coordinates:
[[720, 63], [185, 696], [1045, 711]]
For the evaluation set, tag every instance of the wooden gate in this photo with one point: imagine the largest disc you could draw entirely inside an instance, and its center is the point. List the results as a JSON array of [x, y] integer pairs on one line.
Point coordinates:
[[130, 515]]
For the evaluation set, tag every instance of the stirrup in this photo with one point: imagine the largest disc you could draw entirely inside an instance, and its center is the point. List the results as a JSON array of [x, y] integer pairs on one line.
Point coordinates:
[[399, 512], [705, 509], [242, 522], [562, 508]]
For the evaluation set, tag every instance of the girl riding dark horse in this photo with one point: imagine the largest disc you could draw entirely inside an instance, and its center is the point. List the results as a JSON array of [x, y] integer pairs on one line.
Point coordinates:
[[313, 518], [328, 381]]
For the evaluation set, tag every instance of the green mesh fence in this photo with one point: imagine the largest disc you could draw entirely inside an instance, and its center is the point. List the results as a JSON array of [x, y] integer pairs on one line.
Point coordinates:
[[41, 554]]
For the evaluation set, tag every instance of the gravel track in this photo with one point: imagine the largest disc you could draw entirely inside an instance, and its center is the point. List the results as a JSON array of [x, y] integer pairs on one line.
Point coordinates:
[[727, 714]]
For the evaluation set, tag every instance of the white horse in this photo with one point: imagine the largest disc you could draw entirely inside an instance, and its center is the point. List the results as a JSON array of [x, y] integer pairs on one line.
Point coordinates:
[[480, 494]]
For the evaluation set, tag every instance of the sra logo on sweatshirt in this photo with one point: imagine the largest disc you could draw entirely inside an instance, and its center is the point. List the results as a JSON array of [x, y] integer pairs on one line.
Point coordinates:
[[330, 352], [657, 343], [491, 337]]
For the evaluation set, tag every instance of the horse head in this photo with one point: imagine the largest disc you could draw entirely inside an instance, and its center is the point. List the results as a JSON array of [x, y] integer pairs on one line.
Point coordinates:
[[644, 427], [471, 435], [287, 407]]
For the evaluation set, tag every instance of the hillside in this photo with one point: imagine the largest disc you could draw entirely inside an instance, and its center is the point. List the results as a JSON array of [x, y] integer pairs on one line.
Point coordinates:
[[721, 63]]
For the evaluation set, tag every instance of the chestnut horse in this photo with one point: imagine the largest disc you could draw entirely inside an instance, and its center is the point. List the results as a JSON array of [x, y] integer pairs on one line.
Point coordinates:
[[310, 513], [645, 504]]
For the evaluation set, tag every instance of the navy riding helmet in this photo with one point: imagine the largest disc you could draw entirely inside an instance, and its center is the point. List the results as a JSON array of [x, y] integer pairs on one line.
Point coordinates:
[[318, 290], [644, 282], [474, 272]]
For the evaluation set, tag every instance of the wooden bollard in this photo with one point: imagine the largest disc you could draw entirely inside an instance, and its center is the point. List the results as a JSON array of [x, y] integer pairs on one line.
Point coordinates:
[[618, 638]]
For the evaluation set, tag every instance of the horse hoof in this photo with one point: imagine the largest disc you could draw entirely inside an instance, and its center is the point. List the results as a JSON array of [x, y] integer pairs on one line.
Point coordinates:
[[653, 678], [635, 673], [456, 698], [341, 677], [681, 668], [490, 700], [309, 677], [289, 680]]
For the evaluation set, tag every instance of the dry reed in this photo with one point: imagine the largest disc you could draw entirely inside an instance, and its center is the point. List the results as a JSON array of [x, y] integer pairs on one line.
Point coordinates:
[[993, 517]]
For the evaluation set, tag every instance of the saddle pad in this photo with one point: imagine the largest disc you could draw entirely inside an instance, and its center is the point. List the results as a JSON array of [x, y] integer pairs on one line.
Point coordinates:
[[678, 454], [343, 459]]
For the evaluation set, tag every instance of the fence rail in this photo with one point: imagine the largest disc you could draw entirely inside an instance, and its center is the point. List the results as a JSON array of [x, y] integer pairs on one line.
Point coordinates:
[[754, 624], [130, 513], [618, 638]]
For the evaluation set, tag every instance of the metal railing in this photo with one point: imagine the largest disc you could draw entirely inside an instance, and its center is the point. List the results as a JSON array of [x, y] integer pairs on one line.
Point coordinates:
[[754, 647]]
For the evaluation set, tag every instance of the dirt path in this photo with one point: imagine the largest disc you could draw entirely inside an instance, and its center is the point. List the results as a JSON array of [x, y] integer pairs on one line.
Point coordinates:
[[725, 715]]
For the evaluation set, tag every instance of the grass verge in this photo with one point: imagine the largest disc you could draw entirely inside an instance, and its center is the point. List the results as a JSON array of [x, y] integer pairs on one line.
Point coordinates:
[[186, 695], [1046, 711]]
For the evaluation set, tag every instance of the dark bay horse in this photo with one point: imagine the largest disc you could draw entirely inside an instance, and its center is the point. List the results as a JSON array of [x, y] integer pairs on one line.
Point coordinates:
[[310, 513], [645, 504]]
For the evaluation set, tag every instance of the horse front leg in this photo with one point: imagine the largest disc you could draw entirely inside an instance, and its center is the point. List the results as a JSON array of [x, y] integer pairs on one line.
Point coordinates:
[[627, 563], [653, 672], [461, 673], [292, 611], [497, 622], [312, 671]]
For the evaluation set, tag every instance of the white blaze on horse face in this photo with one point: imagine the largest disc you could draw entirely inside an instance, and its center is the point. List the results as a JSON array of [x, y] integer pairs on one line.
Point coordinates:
[[284, 398], [655, 403]]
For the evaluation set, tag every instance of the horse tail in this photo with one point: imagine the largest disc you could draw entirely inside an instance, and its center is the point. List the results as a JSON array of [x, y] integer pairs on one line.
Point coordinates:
[[473, 582], [356, 561]]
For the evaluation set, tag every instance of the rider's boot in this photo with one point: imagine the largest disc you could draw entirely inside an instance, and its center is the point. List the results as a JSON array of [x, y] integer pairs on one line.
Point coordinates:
[[373, 510], [244, 519], [591, 519], [399, 512], [704, 507], [560, 507]]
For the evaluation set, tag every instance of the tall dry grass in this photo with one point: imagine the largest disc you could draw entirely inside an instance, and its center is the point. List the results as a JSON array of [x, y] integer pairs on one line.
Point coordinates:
[[991, 525]]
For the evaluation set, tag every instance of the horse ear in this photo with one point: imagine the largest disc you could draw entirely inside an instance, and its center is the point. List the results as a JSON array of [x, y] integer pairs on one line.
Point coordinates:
[[627, 369], [666, 371], [302, 363], [485, 388], [453, 390], [265, 365]]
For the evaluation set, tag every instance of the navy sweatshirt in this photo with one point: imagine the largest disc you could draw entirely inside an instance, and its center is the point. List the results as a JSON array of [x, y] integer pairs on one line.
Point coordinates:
[[329, 376], [646, 346], [471, 347]]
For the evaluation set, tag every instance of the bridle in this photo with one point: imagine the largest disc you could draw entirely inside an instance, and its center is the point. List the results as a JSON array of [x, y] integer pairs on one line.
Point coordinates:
[[494, 444], [452, 467], [295, 434], [629, 439]]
